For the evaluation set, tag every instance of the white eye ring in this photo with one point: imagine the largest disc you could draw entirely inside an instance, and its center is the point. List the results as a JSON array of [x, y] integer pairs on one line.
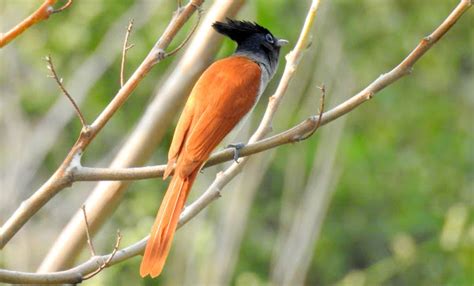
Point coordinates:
[[269, 38]]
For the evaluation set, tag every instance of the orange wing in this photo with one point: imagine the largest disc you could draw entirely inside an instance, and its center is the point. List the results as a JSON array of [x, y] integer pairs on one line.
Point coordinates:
[[226, 91]]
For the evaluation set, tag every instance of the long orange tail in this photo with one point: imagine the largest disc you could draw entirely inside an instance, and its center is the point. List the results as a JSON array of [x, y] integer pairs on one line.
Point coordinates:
[[163, 229]]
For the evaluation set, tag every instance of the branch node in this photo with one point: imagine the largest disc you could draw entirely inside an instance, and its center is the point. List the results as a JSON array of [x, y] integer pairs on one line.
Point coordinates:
[[49, 10], [370, 95], [158, 55], [427, 40]]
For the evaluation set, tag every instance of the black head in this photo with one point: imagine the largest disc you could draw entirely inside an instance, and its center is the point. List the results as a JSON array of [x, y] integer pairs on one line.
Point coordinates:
[[253, 40]]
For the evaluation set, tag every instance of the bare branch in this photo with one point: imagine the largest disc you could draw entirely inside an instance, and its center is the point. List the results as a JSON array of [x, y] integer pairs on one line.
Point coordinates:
[[59, 179], [59, 81], [125, 48], [41, 14], [149, 131], [86, 224]]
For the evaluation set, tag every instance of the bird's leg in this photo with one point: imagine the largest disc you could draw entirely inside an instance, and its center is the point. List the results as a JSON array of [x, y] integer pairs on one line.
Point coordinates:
[[236, 147]]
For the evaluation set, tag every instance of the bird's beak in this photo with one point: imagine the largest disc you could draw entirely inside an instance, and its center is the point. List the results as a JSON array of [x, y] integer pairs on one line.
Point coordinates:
[[281, 42]]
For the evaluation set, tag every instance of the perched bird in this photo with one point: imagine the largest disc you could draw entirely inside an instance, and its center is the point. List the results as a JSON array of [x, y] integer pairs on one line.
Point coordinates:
[[223, 95]]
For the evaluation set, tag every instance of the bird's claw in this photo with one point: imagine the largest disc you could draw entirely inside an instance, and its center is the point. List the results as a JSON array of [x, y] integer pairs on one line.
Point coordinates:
[[236, 148]]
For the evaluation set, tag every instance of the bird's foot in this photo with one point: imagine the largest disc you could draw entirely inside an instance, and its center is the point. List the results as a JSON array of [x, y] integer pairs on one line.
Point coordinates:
[[236, 148]]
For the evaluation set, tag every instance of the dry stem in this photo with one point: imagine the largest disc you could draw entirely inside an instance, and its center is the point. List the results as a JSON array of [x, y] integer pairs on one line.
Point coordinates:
[[142, 142], [86, 224], [59, 81], [59, 179]]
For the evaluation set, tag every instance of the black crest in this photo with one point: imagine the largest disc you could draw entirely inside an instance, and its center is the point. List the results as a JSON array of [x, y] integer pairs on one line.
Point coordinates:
[[239, 30]]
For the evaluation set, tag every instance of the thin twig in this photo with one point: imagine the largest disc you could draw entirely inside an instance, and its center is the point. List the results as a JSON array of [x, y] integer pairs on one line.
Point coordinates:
[[59, 81], [125, 48], [199, 14], [59, 180], [62, 8], [107, 262], [321, 111], [86, 224], [158, 114]]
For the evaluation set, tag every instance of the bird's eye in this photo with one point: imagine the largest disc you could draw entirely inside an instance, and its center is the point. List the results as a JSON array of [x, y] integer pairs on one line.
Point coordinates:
[[269, 38]]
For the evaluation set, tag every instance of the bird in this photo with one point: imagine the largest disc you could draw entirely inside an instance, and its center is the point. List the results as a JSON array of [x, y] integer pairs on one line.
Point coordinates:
[[224, 93]]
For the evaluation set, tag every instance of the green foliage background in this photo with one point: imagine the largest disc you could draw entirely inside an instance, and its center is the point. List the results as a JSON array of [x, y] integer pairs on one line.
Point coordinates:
[[405, 161]]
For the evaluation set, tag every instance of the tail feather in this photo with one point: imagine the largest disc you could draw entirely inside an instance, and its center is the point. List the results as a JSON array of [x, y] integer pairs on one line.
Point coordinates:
[[165, 224]]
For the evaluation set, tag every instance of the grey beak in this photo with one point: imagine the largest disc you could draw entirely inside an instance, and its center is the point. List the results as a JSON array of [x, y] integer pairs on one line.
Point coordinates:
[[281, 42]]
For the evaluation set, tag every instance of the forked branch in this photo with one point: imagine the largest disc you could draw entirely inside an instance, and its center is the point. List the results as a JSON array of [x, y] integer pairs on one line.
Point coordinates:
[[60, 179]]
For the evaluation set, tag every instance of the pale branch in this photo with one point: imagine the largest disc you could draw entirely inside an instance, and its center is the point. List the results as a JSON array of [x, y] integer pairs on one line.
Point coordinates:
[[76, 274], [59, 81], [150, 129], [59, 180], [293, 135], [41, 14], [86, 225], [125, 48]]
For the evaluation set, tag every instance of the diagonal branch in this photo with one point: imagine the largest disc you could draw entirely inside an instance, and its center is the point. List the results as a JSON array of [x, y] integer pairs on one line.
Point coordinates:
[[59, 180], [147, 134], [59, 81], [76, 274], [41, 14]]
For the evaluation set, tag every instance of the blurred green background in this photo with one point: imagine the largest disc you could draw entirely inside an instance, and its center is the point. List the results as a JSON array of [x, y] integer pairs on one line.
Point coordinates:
[[382, 196]]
